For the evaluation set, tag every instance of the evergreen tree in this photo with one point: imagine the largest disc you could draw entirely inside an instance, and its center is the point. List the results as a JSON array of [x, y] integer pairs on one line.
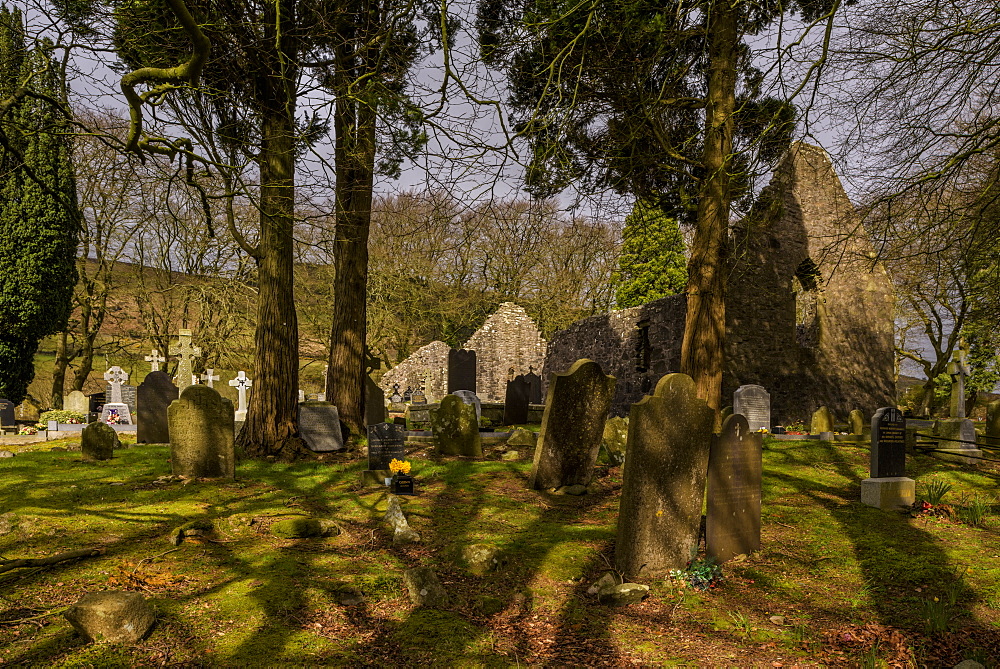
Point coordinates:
[[652, 263], [38, 225]]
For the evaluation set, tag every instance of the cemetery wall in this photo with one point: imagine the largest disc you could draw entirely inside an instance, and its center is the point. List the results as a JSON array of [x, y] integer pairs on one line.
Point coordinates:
[[808, 310], [509, 339]]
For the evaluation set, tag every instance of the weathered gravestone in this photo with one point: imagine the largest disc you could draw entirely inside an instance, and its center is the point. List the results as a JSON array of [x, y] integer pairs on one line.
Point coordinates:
[[857, 421], [456, 428], [98, 441], [957, 440], [615, 440], [754, 403], [155, 394], [993, 421], [6, 412], [515, 407], [663, 481], [732, 525], [202, 434], [534, 386], [76, 401], [822, 421], [572, 426], [888, 487], [461, 370], [472, 399], [386, 442], [374, 403], [186, 354], [319, 427]]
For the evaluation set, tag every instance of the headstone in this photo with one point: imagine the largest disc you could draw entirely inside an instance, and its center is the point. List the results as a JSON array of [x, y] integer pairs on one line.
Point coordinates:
[[76, 401], [470, 397], [408, 394], [129, 398], [663, 481], [615, 440], [888, 452], [732, 525], [395, 398], [186, 354], [515, 406], [154, 360], [155, 394], [319, 427], [534, 386], [822, 421], [115, 410], [385, 443], [461, 370], [374, 403], [456, 428], [957, 440], [302, 395], [754, 403], [242, 384], [98, 441], [857, 421], [958, 368], [201, 434], [209, 378], [572, 426], [993, 421], [418, 397], [6, 412]]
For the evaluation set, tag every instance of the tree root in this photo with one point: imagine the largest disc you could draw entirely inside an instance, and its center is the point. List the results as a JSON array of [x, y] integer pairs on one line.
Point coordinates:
[[8, 565]]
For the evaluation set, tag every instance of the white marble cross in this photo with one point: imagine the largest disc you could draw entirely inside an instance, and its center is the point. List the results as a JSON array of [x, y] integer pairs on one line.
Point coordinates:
[[186, 352], [241, 383], [154, 360], [209, 379], [116, 377]]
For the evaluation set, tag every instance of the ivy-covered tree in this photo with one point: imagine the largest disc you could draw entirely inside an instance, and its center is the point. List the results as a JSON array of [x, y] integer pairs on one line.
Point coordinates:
[[652, 262], [38, 221]]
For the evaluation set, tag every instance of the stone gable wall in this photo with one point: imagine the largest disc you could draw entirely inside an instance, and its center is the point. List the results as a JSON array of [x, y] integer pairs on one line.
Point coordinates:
[[426, 367], [509, 339]]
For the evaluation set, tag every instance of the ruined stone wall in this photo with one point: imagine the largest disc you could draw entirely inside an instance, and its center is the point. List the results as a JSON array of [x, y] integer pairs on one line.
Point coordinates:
[[426, 368], [509, 339]]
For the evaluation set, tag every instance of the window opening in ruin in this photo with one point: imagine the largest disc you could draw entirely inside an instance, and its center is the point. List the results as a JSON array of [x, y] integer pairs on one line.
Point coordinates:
[[808, 296], [644, 350]]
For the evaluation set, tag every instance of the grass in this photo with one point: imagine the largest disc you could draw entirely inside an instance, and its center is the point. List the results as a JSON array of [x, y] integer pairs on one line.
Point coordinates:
[[855, 586]]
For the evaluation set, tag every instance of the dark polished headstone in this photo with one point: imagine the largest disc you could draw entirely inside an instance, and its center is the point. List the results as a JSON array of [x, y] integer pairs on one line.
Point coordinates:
[[153, 396], [732, 526], [374, 403], [888, 454], [6, 412], [385, 442], [461, 370], [534, 388], [319, 427], [515, 407]]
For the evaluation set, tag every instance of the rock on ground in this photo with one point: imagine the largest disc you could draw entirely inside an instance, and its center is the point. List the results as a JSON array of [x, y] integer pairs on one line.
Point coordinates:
[[623, 595], [425, 588], [116, 616]]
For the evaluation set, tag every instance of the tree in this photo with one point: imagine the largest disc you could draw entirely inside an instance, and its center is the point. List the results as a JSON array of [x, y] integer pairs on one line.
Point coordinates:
[[652, 263], [38, 221], [657, 100]]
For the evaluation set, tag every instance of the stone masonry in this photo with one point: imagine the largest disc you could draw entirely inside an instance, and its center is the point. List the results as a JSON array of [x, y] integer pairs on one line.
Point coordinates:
[[426, 368]]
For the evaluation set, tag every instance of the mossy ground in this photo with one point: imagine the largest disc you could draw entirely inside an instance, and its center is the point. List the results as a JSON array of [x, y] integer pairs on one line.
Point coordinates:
[[855, 586]]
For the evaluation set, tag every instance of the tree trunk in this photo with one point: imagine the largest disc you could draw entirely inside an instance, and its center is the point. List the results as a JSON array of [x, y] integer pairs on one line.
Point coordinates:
[[702, 350], [59, 371], [354, 123], [271, 427]]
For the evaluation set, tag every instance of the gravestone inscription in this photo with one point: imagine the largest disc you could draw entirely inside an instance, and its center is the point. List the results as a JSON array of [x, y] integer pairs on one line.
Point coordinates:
[[732, 525], [319, 427], [461, 370], [386, 442], [155, 394], [888, 451], [6, 412], [754, 403], [515, 407]]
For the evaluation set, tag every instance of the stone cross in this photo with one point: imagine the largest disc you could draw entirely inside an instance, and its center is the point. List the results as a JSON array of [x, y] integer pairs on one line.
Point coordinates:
[[116, 377], [241, 383], [958, 368], [186, 352], [209, 379], [154, 360]]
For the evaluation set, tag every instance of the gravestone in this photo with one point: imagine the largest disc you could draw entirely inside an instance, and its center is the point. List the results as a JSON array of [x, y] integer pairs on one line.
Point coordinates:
[[408, 394], [115, 410], [993, 422], [202, 434], [615, 440], [98, 441], [155, 394], [959, 370], [374, 403], [242, 385], [663, 481], [754, 403], [319, 427], [386, 442], [418, 397], [732, 525], [186, 354], [515, 406], [822, 421], [456, 428], [461, 370], [956, 440], [395, 398], [572, 426], [534, 386], [154, 360], [76, 401], [888, 488], [129, 398], [857, 422], [470, 397], [209, 377], [6, 413]]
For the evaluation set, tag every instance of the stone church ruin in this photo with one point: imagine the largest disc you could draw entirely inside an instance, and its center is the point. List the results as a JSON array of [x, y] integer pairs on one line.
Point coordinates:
[[809, 312]]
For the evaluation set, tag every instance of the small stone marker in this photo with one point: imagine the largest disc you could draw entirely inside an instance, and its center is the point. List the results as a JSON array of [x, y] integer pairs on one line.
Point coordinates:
[[572, 426], [754, 403], [386, 442], [242, 384], [425, 587], [663, 481], [534, 386], [76, 401], [470, 397], [186, 354], [456, 428], [461, 370], [209, 378], [888, 488], [374, 403], [98, 441], [6, 412], [732, 526], [115, 616], [822, 421], [154, 360], [202, 434], [155, 394], [515, 407], [395, 398], [319, 427], [857, 421], [116, 376]]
